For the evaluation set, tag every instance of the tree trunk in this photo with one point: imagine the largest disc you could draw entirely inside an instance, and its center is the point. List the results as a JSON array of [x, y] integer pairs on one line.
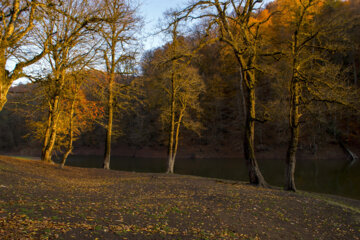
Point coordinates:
[[176, 143], [107, 154], [243, 103], [353, 157], [5, 83], [4, 89], [255, 176], [248, 80], [294, 136], [176, 139], [69, 150], [48, 148], [171, 160], [71, 134], [171, 164], [47, 135]]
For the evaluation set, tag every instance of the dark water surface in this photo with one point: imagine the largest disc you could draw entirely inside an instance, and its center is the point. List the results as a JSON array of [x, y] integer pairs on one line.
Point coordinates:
[[331, 176]]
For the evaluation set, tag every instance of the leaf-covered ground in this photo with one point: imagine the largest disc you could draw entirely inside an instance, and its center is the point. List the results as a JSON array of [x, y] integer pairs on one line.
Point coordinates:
[[39, 201]]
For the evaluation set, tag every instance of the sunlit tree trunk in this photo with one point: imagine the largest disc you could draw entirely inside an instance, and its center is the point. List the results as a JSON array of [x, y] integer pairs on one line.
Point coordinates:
[[48, 148], [171, 159], [51, 132], [47, 134], [107, 154], [177, 133], [175, 137], [4, 89], [120, 19], [71, 134], [5, 84]]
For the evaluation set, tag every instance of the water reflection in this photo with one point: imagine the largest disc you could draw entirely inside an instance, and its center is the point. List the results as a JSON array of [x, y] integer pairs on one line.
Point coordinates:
[[331, 176]]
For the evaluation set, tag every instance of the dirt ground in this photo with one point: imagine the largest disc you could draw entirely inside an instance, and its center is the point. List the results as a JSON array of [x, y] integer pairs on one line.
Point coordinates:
[[39, 201]]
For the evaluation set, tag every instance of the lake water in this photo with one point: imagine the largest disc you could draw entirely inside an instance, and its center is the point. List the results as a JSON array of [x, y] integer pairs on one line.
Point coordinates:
[[324, 176]]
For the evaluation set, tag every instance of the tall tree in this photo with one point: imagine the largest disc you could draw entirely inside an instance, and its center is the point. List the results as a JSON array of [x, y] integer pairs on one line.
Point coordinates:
[[312, 78], [183, 89], [302, 34], [118, 32], [239, 28], [70, 48], [174, 88]]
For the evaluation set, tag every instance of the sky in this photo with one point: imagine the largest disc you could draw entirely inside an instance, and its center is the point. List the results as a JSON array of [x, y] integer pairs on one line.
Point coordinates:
[[152, 11]]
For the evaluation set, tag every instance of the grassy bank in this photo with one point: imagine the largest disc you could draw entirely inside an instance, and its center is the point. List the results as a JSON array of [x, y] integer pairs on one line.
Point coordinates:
[[39, 201]]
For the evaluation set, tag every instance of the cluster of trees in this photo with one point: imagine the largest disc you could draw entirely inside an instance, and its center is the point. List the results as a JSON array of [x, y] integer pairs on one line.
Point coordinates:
[[286, 71], [72, 36]]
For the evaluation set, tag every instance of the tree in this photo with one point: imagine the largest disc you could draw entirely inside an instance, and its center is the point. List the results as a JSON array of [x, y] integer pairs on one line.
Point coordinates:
[[184, 88], [71, 48], [80, 112], [18, 18], [312, 77], [118, 33], [239, 28], [175, 88], [300, 37]]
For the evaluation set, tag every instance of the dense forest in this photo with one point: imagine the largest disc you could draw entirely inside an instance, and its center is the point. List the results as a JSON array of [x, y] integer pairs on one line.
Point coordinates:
[[235, 78]]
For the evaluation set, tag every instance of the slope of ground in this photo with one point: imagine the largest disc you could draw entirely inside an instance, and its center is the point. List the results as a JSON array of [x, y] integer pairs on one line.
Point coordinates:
[[39, 201]]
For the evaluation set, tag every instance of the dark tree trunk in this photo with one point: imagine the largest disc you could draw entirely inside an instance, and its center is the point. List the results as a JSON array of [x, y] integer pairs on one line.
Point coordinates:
[[291, 161], [294, 136], [249, 81], [255, 176], [241, 84]]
